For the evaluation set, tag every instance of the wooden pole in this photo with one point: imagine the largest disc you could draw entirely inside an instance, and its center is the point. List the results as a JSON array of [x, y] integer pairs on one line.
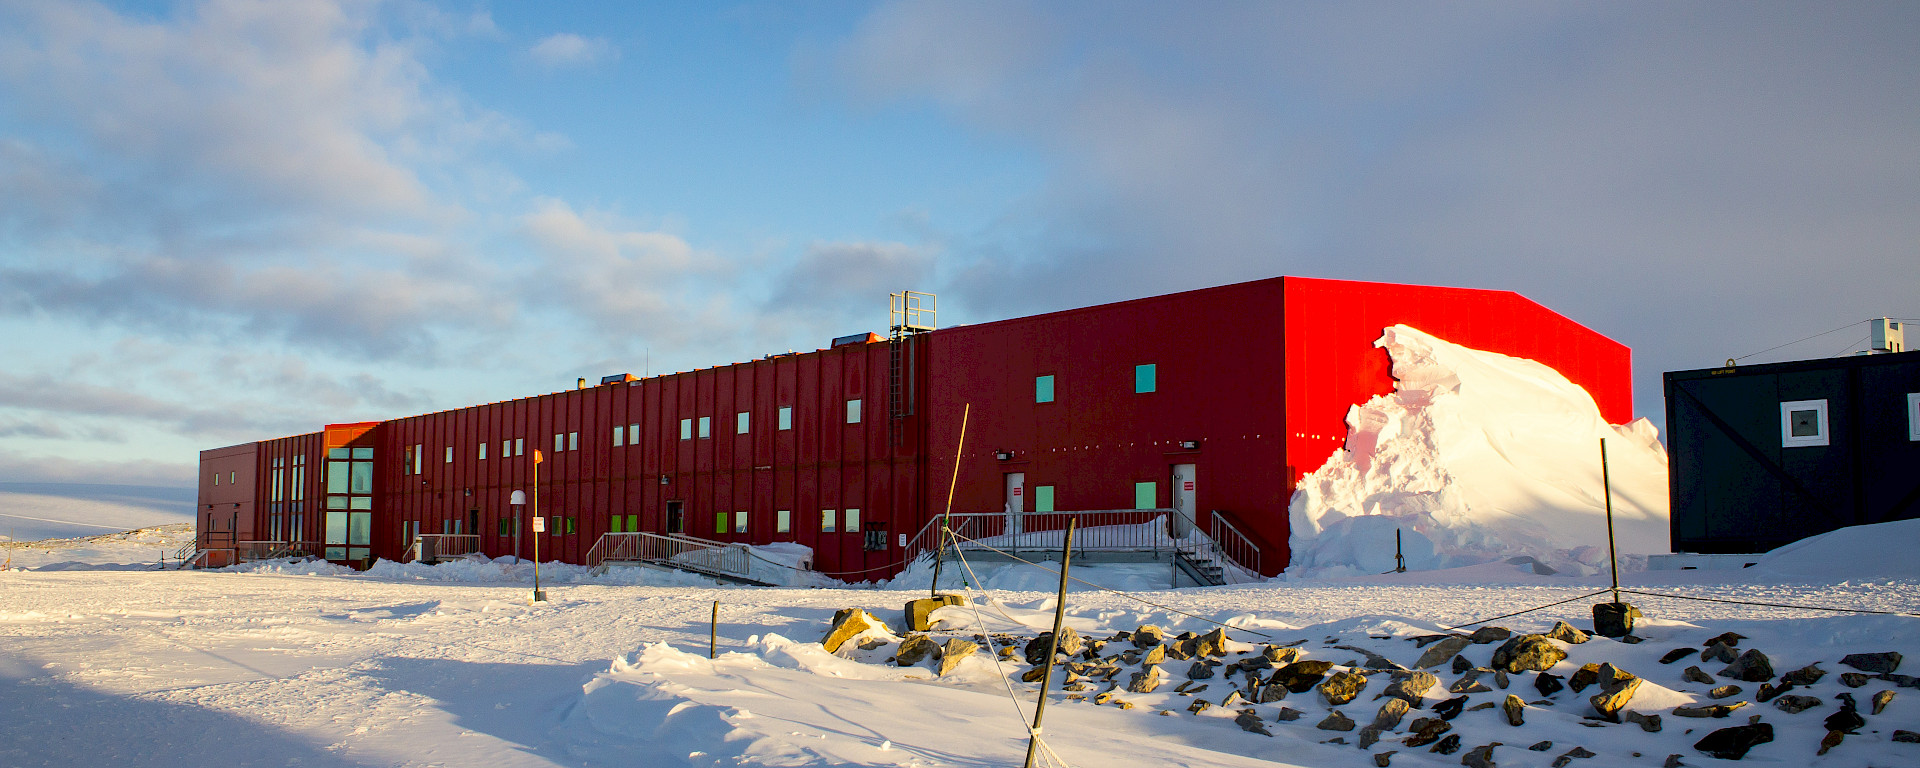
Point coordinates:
[[1606, 483], [940, 538], [713, 631], [1053, 647]]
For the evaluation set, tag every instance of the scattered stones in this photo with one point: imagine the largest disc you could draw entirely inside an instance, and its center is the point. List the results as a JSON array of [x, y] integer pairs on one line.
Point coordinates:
[[1233, 697], [1768, 691], [848, 624], [1515, 710], [1880, 663], [1447, 648], [1450, 709], [1342, 687], [1426, 730], [1144, 681], [1500, 679], [1728, 639], [1470, 682], [1720, 652], [1616, 689], [913, 650], [1752, 666], [1733, 743], [918, 611], [1831, 740], [1844, 721], [1280, 656], [1384, 759], [1148, 636], [1548, 683], [1156, 656], [1673, 761], [1906, 737], [1460, 664], [1390, 714], [1035, 674], [1576, 752], [1565, 633], [1648, 723], [1272, 693], [1412, 687], [1485, 635], [1448, 745], [1854, 679], [1369, 736], [1198, 706], [1541, 746], [1586, 675], [1698, 675], [1528, 653], [1481, 706], [1807, 675], [1710, 710], [1211, 644], [1881, 700], [1250, 721], [1676, 655], [1614, 619], [1904, 681], [1301, 676], [1103, 696], [1200, 671], [1794, 705], [1480, 756], [953, 652], [1724, 692], [1336, 722], [1288, 714]]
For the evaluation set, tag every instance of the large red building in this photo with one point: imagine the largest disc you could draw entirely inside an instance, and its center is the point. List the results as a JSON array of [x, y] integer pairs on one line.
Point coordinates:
[[1216, 399]]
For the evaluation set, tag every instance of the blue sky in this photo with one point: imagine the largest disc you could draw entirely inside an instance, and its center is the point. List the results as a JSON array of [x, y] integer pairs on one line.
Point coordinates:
[[228, 220]]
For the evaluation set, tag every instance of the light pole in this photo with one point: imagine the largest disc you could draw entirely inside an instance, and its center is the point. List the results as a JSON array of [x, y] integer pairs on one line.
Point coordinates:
[[539, 527], [519, 502]]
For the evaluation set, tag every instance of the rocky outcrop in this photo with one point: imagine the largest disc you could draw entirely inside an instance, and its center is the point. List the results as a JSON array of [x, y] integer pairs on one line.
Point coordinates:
[[1390, 714], [1427, 730], [1411, 687], [1616, 689], [1301, 676], [848, 624], [1147, 636], [1485, 635]]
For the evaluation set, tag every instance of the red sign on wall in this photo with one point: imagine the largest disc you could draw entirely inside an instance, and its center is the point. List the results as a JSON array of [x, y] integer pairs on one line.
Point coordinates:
[[1189, 485]]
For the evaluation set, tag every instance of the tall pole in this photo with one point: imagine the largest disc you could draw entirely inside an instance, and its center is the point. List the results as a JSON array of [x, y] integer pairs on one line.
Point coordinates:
[[538, 596], [940, 539], [1053, 646], [1606, 483]]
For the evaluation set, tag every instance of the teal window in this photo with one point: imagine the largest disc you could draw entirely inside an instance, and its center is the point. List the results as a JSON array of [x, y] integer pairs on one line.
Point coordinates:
[[1043, 389], [740, 521], [1043, 498], [686, 429], [1144, 378], [826, 521], [706, 427], [1145, 495], [853, 411], [853, 521], [783, 521], [786, 417], [741, 421]]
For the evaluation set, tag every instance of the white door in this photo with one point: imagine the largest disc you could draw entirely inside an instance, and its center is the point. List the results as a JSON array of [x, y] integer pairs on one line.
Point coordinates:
[[1016, 500], [1183, 495]]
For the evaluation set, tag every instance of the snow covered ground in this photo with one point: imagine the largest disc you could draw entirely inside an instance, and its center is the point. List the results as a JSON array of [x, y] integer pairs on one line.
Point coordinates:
[[449, 665]]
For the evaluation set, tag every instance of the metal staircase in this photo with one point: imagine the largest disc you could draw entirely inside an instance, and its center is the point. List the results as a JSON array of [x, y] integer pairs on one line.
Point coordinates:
[[673, 551], [1218, 556]]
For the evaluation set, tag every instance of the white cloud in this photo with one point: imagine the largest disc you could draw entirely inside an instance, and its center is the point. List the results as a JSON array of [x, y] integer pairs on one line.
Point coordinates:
[[566, 49]]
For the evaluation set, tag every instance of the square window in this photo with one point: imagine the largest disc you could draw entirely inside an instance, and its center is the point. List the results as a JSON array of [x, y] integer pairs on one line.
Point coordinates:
[[573, 441], [1913, 416], [619, 436], [853, 411], [1146, 495], [827, 519], [1043, 389], [852, 521], [786, 417], [686, 429], [740, 422], [782, 521], [1803, 423], [740, 522], [1043, 498], [1145, 378], [706, 427]]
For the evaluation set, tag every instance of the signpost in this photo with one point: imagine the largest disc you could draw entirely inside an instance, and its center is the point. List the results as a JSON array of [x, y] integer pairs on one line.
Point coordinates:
[[539, 527]]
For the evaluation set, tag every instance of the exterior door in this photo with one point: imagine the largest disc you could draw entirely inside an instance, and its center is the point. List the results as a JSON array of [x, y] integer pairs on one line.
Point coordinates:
[[676, 517], [1183, 486], [1016, 500]]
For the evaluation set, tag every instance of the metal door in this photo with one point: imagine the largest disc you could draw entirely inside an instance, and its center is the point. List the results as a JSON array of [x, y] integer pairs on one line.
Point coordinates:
[[1016, 500], [1183, 499]]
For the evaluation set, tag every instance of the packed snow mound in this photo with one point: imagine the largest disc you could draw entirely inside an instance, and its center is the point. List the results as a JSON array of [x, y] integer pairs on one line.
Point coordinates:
[[1878, 551], [1476, 457]]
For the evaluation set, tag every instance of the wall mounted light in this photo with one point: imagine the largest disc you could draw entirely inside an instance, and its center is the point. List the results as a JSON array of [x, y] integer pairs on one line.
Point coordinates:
[[663, 479], [1003, 455], [1190, 445]]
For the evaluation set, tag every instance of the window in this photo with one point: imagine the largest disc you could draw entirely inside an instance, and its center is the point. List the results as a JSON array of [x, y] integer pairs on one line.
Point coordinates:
[[633, 523], [506, 448], [1043, 389], [686, 429], [503, 527], [573, 441], [234, 477], [1145, 378], [1043, 498], [633, 434], [216, 479], [570, 523], [720, 523], [559, 443], [483, 451], [1803, 423], [614, 525], [786, 417], [1913, 416], [782, 521], [449, 455], [519, 446], [740, 422], [827, 519], [706, 427], [619, 436], [852, 522], [853, 411], [419, 453], [1145, 495], [740, 521]]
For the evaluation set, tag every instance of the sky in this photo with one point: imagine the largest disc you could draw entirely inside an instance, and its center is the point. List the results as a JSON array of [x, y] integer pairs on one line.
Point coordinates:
[[231, 220]]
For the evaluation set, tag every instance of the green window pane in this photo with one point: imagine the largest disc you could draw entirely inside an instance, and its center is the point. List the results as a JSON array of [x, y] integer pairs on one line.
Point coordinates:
[[633, 523], [853, 521], [783, 521], [337, 476], [339, 453], [1043, 498], [359, 527], [360, 502], [1144, 378], [614, 524], [571, 526], [720, 522], [336, 553], [741, 422], [363, 453], [503, 527], [1043, 389], [336, 529], [1146, 495], [362, 478]]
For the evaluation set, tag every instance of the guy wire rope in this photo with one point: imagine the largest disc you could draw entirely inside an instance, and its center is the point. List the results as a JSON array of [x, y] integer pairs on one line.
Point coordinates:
[[981, 622]]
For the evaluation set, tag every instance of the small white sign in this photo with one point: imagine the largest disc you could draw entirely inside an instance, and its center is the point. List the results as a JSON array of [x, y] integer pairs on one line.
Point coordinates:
[[539, 525], [903, 539]]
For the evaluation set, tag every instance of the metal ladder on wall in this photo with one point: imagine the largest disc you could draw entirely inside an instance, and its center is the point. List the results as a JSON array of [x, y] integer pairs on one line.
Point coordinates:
[[909, 313]]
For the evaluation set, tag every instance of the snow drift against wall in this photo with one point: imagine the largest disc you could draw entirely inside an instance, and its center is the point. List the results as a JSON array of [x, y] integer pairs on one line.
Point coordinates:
[[1477, 457]]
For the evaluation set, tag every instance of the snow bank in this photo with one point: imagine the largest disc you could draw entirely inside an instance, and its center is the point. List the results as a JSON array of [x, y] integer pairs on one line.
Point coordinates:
[[1477, 457], [1880, 551]]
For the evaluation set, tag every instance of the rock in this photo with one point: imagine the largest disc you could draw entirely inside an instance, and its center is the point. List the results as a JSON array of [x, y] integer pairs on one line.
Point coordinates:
[[1844, 721], [1676, 655], [1541, 746], [1448, 745], [1280, 656], [1616, 689], [1485, 635], [1886, 662], [1211, 644], [1369, 736], [1728, 639], [1033, 675], [1565, 633], [913, 649], [1426, 730], [1037, 648], [1412, 687], [1710, 710], [1586, 675], [1904, 681], [1148, 636], [1071, 643], [1156, 656], [1515, 710], [848, 624], [1807, 675], [1576, 752], [1733, 743], [1288, 714], [1480, 756], [1469, 682], [1906, 737], [1847, 704], [1854, 679], [1500, 679], [1768, 691], [1481, 706], [1198, 706], [1528, 653], [1272, 693], [953, 652], [1460, 664], [1342, 687], [1752, 666], [1648, 723], [1233, 697], [1199, 671], [1794, 705], [1614, 619], [1336, 722], [1250, 721], [1384, 759], [1450, 709], [1301, 676], [1144, 681], [918, 611], [1548, 683], [1442, 651], [1673, 761], [1698, 675], [1831, 740], [1724, 692], [1390, 714], [1720, 652], [1881, 700]]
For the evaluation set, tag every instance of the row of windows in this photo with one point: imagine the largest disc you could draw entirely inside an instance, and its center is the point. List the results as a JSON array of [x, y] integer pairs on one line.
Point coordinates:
[[1804, 424], [622, 436], [557, 525], [1145, 496], [1145, 379], [831, 521]]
